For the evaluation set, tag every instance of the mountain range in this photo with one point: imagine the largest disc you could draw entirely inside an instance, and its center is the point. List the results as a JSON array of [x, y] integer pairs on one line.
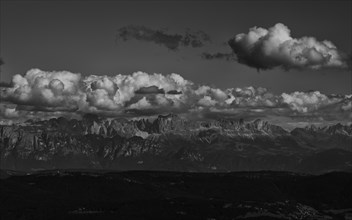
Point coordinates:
[[173, 143]]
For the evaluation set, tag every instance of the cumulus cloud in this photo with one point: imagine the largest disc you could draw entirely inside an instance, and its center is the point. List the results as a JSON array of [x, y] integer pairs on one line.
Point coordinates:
[[161, 37], [44, 89], [62, 92], [347, 106], [66, 90], [308, 101], [254, 97], [8, 112], [274, 47], [143, 103], [346, 103]]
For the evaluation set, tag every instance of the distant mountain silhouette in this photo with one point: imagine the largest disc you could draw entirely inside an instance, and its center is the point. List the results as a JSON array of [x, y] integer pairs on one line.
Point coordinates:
[[172, 143]]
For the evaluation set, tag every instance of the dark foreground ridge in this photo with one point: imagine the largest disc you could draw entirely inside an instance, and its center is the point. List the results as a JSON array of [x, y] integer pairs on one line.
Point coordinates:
[[74, 194]]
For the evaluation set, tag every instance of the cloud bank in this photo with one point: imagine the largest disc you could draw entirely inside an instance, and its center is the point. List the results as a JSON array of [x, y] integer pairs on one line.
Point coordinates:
[[161, 37], [274, 47], [41, 93]]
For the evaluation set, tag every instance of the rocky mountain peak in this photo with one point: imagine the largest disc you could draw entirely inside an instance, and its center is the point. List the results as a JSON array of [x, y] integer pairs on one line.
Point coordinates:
[[167, 123]]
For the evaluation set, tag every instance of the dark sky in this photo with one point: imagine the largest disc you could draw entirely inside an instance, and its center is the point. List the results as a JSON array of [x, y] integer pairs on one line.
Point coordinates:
[[79, 37]]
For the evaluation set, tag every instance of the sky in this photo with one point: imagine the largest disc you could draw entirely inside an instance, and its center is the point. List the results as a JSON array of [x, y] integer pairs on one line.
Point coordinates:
[[287, 47]]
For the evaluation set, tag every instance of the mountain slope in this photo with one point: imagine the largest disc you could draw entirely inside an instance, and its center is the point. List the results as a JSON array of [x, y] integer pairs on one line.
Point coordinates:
[[173, 143]]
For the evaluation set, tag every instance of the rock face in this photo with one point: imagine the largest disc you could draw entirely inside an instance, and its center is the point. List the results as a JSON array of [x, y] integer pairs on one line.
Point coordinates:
[[173, 143]]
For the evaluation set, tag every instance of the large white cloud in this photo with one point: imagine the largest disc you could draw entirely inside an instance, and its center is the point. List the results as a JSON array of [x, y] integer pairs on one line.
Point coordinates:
[[8, 112], [62, 91], [274, 47], [254, 97], [308, 101], [92, 93], [48, 89]]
